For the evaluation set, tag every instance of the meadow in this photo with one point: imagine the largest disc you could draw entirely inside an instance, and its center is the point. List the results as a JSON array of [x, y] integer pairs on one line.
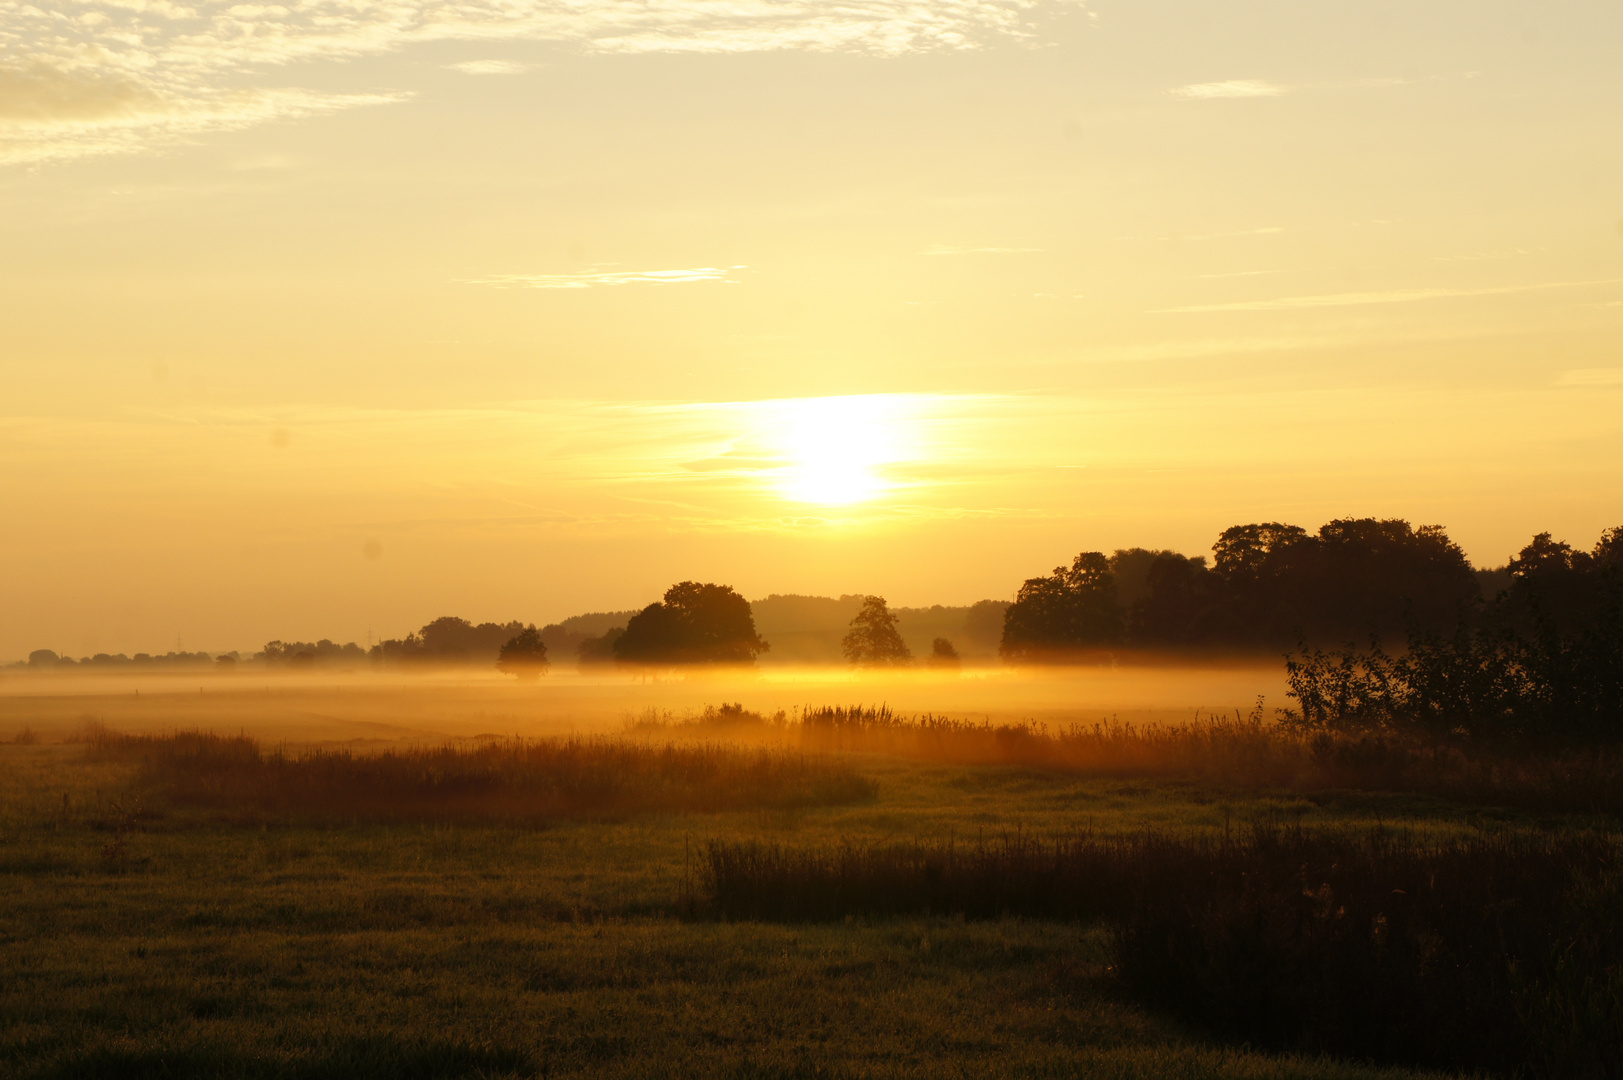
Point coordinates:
[[169, 911]]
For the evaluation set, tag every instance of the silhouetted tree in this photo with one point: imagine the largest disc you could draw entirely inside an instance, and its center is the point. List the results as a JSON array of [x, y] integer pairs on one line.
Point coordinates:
[[322, 652], [1058, 616], [524, 655], [872, 640], [1608, 554], [600, 649], [1255, 563], [1357, 576], [943, 655], [1544, 667], [1555, 588], [1184, 603], [1367, 575], [983, 624], [694, 624], [447, 640], [1131, 569]]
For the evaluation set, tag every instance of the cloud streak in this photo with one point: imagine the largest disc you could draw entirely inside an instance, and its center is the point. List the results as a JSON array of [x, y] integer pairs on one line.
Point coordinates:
[[88, 118], [1360, 299], [489, 67], [1233, 88]]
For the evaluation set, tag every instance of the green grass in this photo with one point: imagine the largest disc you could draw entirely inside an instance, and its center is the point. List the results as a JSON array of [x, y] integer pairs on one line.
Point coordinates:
[[202, 948]]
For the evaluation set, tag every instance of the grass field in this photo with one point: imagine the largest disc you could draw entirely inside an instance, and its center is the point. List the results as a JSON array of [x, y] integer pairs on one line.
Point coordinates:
[[143, 940]]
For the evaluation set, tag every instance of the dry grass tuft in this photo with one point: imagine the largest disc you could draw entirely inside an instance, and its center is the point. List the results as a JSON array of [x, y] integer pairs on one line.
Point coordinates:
[[1242, 752], [513, 779]]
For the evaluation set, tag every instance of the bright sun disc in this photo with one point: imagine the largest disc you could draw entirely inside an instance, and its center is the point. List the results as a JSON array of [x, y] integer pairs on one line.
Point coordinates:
[[836, 446]]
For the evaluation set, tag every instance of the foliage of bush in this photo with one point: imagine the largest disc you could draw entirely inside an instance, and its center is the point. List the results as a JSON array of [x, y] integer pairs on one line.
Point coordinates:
[[1553, 685]]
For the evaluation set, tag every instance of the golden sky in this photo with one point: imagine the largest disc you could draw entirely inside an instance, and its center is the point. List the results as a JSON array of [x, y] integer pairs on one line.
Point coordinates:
[[330, 317]]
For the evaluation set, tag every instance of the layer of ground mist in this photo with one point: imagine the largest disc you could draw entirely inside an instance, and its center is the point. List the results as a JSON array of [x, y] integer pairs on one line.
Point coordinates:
[[362, 708]]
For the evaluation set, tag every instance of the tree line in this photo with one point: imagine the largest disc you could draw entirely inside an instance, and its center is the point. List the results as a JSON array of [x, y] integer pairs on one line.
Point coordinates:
[[1270, 586], [1541, 665]]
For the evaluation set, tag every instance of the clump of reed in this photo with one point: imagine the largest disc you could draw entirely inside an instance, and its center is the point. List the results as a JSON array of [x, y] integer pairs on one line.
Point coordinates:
[[723, 719], [1238, 750], [1501, 952], [514, 779]]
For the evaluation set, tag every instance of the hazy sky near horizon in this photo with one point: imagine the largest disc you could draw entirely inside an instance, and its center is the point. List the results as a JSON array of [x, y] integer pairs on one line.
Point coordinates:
[[324, 317]]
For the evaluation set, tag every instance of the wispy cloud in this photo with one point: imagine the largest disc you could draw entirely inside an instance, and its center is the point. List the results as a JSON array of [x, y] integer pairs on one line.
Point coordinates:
[[1359, 299], [101, 76], [1233, 88], [607, 277], [489, 67], [949, 249], [49, 113]]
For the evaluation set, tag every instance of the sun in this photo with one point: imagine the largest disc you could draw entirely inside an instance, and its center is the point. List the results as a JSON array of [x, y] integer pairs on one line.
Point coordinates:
[[835, 448]]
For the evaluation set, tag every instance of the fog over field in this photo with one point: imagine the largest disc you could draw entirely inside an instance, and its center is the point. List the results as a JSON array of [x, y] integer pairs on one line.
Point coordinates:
[[361, 707]]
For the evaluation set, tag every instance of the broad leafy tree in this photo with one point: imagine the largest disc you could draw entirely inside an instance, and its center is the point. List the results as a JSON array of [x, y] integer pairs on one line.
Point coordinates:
[[1072, 610], [694, 624], [524, 655]]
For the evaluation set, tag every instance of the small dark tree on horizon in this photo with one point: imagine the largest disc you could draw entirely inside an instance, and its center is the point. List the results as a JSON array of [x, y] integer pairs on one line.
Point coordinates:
[[943, 655], [872, 640], [524, 655]]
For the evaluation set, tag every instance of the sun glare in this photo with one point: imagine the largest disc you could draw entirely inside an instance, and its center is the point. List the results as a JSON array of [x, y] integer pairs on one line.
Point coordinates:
[[835, 448]]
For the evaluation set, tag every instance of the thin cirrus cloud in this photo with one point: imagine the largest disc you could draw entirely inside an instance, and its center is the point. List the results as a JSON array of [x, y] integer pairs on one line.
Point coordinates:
[[489, 67], [49, 113], [609, 277], [109, 76], [1359, 299], [1232, 88]]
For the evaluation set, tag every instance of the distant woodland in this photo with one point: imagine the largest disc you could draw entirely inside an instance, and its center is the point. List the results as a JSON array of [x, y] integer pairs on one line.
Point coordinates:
[[1266, 588]]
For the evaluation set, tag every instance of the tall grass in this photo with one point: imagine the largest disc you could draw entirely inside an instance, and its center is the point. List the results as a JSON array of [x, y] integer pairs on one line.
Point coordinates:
[[512, 779], [1240, 751], [1502, 952]]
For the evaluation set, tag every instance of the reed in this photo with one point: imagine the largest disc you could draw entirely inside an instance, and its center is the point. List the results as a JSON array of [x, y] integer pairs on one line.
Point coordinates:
[[514, 779]]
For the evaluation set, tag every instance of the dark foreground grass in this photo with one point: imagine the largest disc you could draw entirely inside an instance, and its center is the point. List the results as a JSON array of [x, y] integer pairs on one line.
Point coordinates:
[[617, 998], [222, 946], [1237, 751], [1501, 952], [512, 779]]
